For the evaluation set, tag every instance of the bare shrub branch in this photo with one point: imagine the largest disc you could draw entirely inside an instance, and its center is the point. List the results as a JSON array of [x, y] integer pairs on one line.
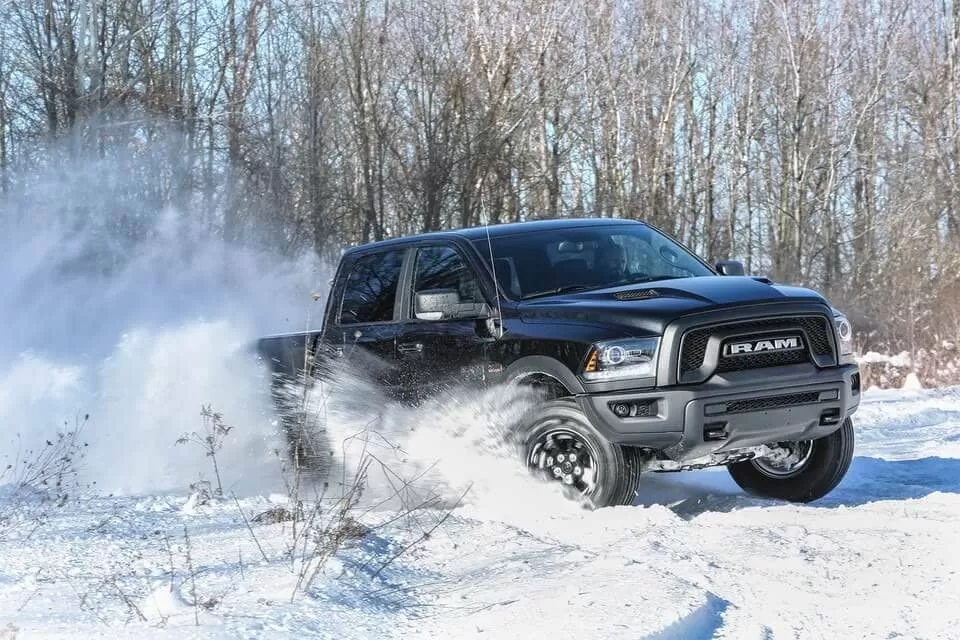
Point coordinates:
[[215, 431]]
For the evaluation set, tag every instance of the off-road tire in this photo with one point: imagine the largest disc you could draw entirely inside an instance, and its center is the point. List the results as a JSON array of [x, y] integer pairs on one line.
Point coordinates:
[[826, 466], [617, 467], [307, 442], [308, 446]]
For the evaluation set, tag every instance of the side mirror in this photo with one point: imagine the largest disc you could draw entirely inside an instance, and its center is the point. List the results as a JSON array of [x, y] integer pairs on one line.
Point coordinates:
[[730, 268], [444, 304]]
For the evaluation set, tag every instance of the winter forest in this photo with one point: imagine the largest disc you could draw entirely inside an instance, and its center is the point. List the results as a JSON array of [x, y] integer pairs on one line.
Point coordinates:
[[818, 142]]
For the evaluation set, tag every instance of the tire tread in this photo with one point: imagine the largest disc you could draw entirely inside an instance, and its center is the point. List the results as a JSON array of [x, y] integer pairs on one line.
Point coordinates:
[[813, 482], [629, 478]]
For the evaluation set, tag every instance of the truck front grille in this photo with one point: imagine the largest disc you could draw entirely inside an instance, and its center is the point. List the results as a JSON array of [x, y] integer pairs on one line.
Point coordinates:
[[771, 402], [814, 330], [693, 350], [762, 360]]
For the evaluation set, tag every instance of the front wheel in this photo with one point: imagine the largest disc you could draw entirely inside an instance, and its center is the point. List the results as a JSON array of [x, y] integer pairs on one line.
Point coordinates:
[[560, 445], [801, 471]]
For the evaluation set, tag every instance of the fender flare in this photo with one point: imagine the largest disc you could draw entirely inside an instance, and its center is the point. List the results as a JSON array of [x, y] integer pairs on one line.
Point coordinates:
[[531, 365]]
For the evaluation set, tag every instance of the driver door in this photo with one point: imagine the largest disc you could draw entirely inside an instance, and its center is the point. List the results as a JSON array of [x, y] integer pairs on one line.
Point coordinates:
[[436, 351]]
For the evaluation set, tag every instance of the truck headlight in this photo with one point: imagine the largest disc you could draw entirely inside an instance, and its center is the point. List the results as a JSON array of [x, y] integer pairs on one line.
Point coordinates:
[[844, 333], [634, 358]]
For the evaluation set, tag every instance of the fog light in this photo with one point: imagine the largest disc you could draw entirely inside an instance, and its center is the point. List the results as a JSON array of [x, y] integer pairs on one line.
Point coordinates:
[[621, 409], [633, 408]]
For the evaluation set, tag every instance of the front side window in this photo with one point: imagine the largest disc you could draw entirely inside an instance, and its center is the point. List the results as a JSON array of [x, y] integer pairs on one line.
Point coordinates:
[[589, 257], [371, 288], [442, 268]]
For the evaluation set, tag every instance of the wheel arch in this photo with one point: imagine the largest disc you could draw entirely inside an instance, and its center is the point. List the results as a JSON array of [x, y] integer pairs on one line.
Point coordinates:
[[544, 371]]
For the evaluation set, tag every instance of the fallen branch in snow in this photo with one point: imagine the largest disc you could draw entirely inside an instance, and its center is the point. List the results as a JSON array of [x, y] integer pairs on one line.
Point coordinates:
[[193, 578], [84, 601], [33, 593], [503, 603], [426, 535], [250, 529], [127, 601]]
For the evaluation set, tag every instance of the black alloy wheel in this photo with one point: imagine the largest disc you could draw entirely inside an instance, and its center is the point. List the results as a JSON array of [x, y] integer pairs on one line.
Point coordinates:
[[561, 446]]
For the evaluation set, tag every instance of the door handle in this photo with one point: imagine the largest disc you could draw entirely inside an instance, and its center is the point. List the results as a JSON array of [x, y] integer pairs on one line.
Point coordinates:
[[410, 347]]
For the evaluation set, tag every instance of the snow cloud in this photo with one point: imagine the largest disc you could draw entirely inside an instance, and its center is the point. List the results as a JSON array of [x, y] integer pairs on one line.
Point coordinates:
[[118, 305]]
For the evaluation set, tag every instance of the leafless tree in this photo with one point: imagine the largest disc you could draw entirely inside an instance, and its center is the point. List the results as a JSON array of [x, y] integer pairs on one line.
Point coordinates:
[[818, 142]]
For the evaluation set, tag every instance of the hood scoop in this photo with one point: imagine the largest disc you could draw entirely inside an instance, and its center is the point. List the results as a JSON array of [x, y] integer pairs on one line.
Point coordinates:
[[637, 294]]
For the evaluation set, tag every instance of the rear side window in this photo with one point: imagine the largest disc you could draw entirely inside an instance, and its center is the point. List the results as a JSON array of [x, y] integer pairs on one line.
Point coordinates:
[[371, 288], [444, 268]]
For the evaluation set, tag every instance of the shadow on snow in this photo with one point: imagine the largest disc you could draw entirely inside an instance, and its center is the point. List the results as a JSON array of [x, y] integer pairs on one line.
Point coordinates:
[[691, 493]]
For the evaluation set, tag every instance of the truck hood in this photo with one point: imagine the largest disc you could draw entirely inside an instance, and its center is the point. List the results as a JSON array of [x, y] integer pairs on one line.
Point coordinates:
[[651, 305]]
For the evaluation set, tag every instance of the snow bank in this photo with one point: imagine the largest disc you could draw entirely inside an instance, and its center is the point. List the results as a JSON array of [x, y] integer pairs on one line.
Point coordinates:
[[903, 370]]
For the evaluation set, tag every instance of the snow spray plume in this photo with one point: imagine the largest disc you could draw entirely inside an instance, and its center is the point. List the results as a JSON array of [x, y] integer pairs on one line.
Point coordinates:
[[120, 305], [457, 448]]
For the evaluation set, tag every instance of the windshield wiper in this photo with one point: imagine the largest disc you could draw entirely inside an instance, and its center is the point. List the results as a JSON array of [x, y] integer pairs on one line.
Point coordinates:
[[606, 285], [558, 290]]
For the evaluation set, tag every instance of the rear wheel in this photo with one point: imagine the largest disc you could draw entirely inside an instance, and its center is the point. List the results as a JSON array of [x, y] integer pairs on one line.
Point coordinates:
[[560, 445], [308, 446], [801, 471]]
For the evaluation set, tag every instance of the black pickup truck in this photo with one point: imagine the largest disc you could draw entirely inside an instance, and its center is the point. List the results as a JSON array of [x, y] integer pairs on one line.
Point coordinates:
[[646, 357]]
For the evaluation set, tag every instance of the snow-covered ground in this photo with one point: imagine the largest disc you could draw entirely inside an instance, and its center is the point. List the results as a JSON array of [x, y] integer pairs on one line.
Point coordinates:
[[695, 558]]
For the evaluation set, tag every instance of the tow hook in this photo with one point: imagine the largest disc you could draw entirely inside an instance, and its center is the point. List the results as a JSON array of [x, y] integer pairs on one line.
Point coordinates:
[[830, 417]]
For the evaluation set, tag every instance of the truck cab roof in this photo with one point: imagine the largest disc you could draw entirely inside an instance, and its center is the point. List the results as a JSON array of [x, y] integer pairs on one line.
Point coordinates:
[[496, 231]]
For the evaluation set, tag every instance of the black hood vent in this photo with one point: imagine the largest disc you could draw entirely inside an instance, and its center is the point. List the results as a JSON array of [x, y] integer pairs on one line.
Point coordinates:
[[636, 294]]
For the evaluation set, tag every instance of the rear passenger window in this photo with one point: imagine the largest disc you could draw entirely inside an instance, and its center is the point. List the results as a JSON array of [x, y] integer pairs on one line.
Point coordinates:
[[371, 288], [443, 268]]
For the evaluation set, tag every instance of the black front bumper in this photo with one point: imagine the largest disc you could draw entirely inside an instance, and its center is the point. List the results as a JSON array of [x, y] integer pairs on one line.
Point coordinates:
[[742, 409]]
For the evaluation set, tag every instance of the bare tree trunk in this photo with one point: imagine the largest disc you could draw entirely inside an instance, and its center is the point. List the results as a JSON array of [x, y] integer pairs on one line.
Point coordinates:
[[4, 120], [951, 12], [362, 63], [238, 61]]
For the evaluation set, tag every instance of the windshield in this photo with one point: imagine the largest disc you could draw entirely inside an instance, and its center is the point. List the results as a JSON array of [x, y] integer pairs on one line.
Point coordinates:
[[545, 262]]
